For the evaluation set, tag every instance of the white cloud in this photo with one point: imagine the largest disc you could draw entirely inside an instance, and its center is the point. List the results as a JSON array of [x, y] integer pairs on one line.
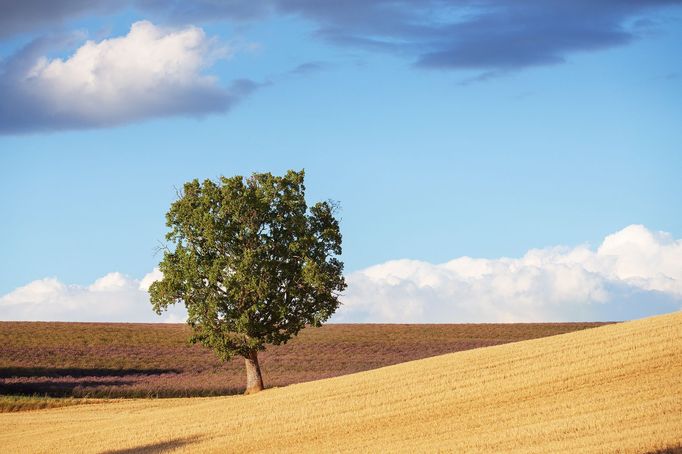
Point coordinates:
[[112, 282], [111, 298], [149, 72], [149, 278], [633, 273]]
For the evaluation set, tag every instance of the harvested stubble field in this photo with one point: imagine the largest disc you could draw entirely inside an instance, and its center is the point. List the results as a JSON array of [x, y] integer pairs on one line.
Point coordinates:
[[615, 388], [153, 360]]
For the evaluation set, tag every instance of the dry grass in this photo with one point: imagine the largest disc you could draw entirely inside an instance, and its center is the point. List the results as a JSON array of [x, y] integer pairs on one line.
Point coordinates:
[[616, 388], [154, 360]]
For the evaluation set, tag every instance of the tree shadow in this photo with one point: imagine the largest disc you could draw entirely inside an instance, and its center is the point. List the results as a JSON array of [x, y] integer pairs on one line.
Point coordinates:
[[72, 381], [159, 447], [108, 383], [30, 372], [61, 388]]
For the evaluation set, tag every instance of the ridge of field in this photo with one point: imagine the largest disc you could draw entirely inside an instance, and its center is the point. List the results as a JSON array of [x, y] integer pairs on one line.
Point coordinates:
[[615, 388], [154, 360]]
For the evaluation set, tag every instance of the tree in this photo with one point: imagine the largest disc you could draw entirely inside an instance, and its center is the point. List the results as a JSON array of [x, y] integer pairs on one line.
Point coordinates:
[[252, 263]]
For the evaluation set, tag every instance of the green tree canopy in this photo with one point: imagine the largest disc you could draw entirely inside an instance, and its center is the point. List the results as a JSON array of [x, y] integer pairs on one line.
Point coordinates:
[[252, 263]]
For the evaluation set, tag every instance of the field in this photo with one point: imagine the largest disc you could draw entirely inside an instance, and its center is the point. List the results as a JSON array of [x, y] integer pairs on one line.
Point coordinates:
[[616, 388], [153, 360]]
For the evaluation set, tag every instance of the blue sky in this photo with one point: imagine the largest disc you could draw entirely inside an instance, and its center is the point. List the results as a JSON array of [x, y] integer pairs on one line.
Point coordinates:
[[488, 150]]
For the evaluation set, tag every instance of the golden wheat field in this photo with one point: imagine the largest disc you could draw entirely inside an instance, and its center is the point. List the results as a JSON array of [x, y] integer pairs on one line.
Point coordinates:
[[616, 388]]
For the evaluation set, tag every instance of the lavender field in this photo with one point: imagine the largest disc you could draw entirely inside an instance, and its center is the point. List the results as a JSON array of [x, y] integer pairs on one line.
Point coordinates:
[[155, 360]]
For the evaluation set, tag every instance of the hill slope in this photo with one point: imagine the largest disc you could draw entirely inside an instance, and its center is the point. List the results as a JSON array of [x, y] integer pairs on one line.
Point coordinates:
[[616, 388]]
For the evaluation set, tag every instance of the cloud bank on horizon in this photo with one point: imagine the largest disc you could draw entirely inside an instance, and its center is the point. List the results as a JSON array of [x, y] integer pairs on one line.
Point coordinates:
[[105, 84], [634, 273], [114, 297]]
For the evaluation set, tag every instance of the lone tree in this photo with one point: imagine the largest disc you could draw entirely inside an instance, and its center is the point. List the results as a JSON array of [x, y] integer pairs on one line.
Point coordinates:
[[252, 263]]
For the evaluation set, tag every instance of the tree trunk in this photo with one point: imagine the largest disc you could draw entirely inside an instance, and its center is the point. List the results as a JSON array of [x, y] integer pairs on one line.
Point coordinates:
[[254, 379]]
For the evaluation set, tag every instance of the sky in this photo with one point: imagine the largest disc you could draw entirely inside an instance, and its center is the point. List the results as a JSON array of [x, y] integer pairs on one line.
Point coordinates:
[[494, 161]]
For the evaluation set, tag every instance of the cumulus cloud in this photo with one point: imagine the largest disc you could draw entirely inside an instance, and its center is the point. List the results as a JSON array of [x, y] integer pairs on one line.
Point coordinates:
[[150, 72], [634, 273], [111, 298]]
